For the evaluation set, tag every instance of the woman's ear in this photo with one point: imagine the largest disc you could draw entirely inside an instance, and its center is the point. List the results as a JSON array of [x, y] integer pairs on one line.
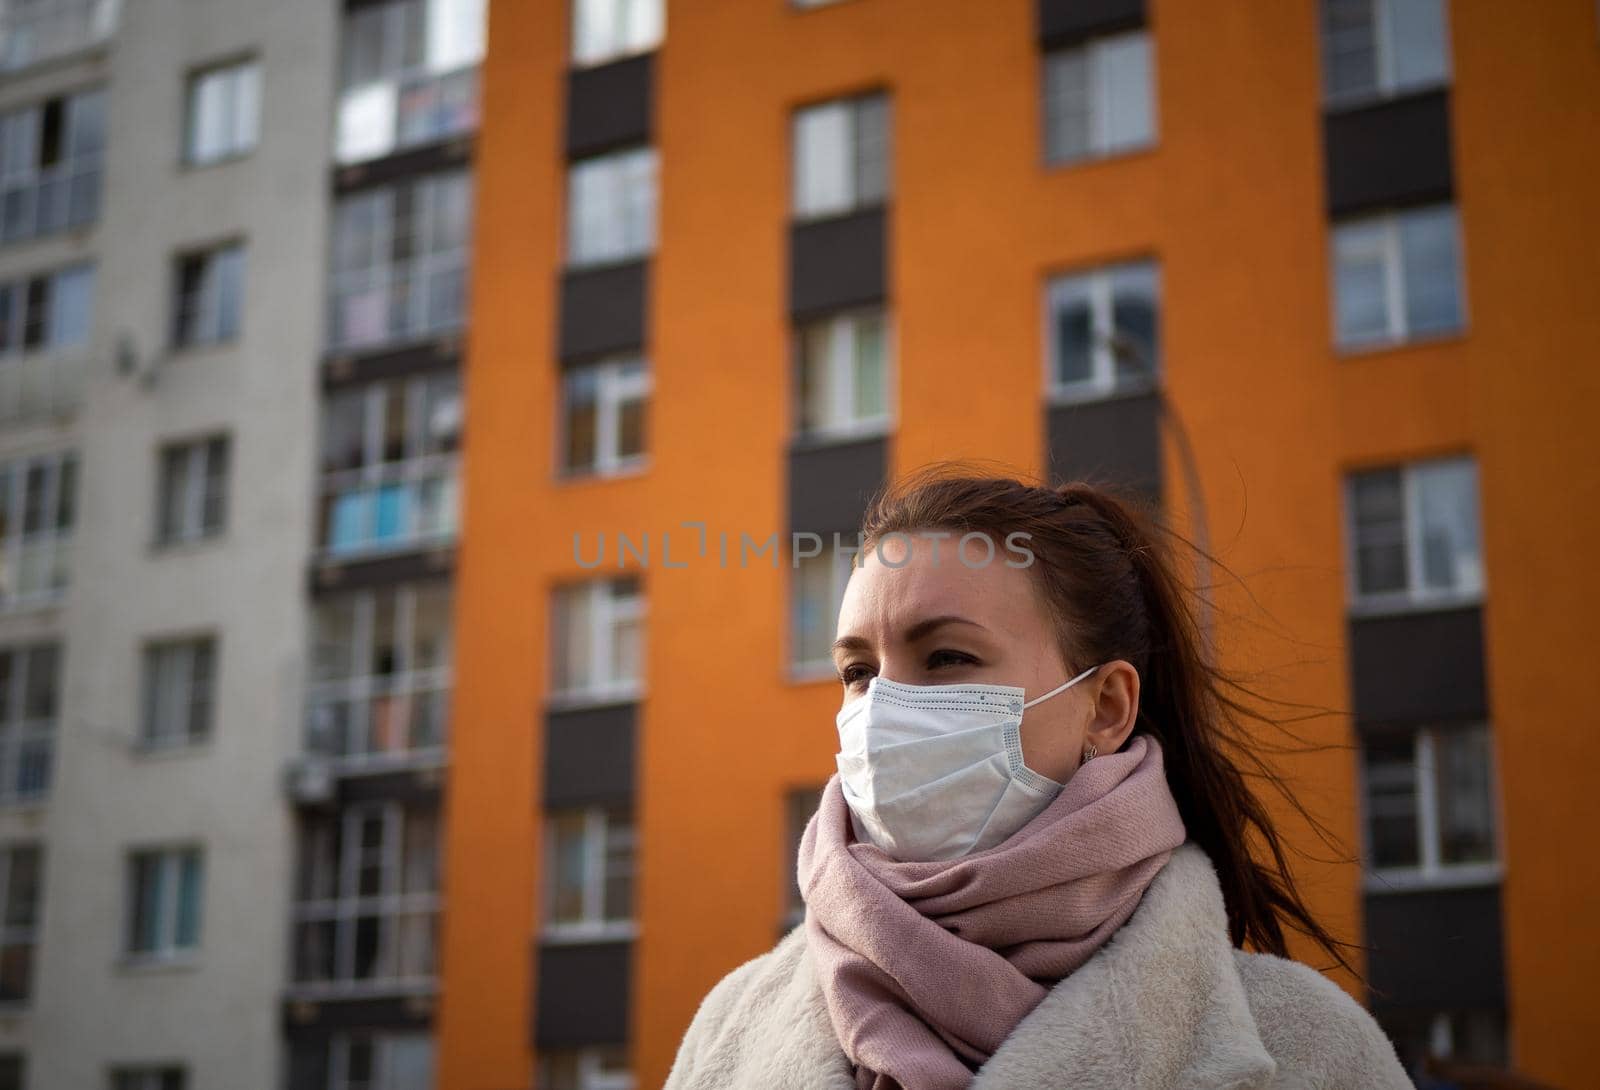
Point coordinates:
[[1116, 707]]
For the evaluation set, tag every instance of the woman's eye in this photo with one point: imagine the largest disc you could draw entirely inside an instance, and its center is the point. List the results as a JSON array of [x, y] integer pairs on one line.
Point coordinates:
[[854, 675], [947, 657]]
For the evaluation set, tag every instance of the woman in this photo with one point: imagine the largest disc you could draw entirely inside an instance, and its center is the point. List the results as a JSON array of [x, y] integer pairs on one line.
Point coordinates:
[[1031, 868]]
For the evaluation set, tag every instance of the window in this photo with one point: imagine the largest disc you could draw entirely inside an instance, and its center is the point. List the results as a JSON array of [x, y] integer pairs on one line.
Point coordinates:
[[1397, 277], [611, 207], [1099, 98], [179, 683], [1378, 48], [799, 804], [46, 313], [367, 903], [409, 75], [30, 686], [43, 318], [817, 590], [597, 634], [224, 112], [1430, 804], [38, 506], [1464, 1035], [21, 879], [32, 31], [1104, 330], [208, 296], [400, 262], [1414, 535], [843, 375], [389, 465], [380, 675], [841, 156], [192, 503], [13, 1071], [589, 876], [603, 416], [149, 1078], [605, 1068], [604, 30], [380, 1061], [50, 165], [164, 895]]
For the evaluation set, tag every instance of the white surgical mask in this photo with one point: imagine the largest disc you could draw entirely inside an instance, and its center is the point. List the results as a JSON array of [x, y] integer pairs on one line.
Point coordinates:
[[935, 771]]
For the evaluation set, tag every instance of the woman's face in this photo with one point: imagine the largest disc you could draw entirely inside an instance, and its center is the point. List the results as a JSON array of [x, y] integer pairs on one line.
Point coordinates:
[[920, 616]]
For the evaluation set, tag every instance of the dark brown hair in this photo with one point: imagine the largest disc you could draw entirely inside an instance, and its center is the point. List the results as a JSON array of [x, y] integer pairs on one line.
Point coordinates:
[[1106, 564]]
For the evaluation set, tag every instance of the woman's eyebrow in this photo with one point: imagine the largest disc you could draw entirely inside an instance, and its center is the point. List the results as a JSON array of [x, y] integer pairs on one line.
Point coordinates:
[[912, 635]]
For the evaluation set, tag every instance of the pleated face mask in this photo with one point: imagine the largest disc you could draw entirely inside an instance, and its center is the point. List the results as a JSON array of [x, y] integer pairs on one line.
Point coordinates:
[[935, 772]]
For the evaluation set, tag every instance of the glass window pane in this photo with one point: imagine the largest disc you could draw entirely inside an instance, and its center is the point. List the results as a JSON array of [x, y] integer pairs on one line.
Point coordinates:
[[1125, 91], [71, 307], [1360, 269], [1421, 55], [631, 414], [187, 930], [22, 887], [813, 620], [1066, 104], [1135, 322], [869, 368], [823, 169], [618, 863], [43, 673], [1349, 48], [1431, 268], [581, 422], [816, 378], [872, 150], [1447, 519], [1378, 522], [572, 657], [1071, 331], [1391, 802], [568, 868], [1464, 795]]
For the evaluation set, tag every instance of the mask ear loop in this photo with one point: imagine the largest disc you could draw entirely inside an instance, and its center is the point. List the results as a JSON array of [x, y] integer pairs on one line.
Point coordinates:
[[1062, 686]]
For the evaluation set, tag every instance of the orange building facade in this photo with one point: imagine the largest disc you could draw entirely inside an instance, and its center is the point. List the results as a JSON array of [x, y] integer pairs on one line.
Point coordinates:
[[1374, 319]]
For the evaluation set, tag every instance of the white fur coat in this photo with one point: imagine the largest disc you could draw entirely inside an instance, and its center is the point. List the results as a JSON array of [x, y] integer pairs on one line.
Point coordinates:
[[1168, 1002]]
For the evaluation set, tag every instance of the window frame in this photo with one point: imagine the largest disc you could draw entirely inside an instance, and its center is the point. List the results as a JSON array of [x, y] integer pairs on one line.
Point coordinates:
[[843, 371], [1384, 79], [409, 683], [1431, 872], [1098, 145], [170, 859], [579, 253], [15, 935], [803, 210], [598, 830], [348, 906], [421, 475], [614, 51], [1416, 598], [604, 612], [591, 1074], [208, 314], [196, 479], [20, 733], [1104, 383], [76, 166], [1391, 253], [20, 548], [415, 214], [614, 390], [244, 126], [843, 560], [158, 737], [382, 1042]]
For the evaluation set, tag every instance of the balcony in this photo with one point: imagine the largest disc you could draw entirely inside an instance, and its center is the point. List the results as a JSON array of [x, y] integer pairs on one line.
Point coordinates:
[[40, 388], [31, 33], [380, 724], [390, 508], [411, 111]]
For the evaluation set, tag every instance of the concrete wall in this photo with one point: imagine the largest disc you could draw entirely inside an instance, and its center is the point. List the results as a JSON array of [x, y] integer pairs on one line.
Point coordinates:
[[218, 1014]]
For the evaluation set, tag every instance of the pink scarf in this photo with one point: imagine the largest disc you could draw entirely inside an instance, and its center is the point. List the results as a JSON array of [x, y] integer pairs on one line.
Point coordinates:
[[927, 967]]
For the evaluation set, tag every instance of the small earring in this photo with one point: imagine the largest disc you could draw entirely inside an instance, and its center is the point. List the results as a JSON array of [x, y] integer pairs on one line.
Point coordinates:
[[1088, 754]]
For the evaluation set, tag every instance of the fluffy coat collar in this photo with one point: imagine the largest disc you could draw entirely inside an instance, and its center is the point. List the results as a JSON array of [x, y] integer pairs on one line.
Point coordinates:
[[1167, 1002]]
